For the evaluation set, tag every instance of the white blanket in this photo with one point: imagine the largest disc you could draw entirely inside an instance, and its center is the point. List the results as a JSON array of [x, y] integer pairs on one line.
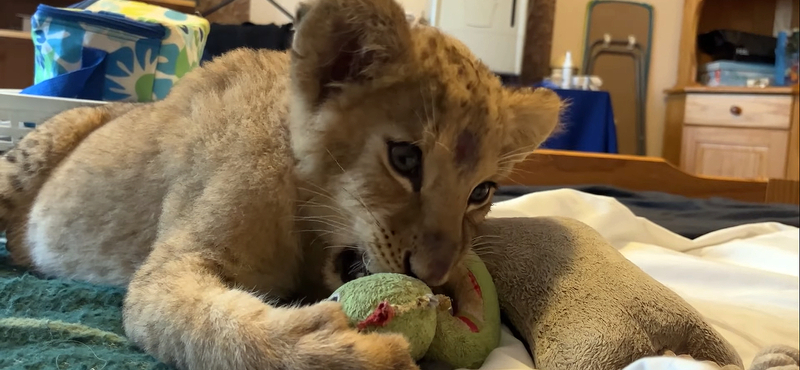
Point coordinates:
[[743, 280]]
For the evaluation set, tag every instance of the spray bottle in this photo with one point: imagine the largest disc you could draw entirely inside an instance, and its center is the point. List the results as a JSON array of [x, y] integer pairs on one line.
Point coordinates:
[[566, 71]]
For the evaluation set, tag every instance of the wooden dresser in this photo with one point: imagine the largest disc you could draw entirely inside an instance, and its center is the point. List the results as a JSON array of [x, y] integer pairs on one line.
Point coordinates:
[[738, 132]]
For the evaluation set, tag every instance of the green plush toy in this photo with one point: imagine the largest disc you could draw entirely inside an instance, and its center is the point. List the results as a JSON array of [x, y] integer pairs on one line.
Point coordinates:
[[459, 329]]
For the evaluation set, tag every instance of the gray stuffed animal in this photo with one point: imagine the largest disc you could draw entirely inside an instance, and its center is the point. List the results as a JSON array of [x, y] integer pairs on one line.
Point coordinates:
[[580, 304]]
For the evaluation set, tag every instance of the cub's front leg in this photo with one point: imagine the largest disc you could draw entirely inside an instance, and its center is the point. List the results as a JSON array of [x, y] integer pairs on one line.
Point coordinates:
[[184, 308], [180, 311]]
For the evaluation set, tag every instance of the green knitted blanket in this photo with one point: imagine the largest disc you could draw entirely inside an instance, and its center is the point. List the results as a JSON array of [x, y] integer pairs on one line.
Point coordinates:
[[61, 324]]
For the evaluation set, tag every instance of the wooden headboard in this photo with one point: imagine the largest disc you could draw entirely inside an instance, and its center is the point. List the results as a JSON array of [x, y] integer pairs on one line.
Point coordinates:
[[565, 168]]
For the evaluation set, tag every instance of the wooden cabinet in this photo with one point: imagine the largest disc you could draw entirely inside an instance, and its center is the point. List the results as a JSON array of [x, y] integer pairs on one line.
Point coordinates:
[[734, 152], [16, 60], [737, 132], [736, 135], [746, 136], [793, 155], [738, 110]]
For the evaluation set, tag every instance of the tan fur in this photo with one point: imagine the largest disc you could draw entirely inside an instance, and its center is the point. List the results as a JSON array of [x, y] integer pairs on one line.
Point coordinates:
[[239, 189]]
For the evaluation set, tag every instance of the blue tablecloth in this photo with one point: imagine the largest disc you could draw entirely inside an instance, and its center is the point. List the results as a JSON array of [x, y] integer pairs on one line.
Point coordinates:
[[588, 123]]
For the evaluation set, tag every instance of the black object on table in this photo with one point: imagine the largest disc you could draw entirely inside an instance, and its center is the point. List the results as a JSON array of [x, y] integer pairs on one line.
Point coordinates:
[[226, 37]]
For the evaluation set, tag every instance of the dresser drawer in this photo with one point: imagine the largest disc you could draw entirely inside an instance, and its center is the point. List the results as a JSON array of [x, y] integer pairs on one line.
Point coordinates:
[[738, 110], [744, 153]]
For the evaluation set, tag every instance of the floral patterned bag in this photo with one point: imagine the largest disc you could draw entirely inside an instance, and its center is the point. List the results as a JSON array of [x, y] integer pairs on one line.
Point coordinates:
[[114, 50]]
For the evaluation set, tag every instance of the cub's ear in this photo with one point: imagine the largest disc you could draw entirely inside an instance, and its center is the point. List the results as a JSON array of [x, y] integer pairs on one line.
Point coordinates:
[[345, 41], [534, 116]]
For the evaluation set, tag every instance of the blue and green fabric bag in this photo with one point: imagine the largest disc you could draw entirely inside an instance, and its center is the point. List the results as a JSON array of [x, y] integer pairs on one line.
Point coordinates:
[[113, 50]]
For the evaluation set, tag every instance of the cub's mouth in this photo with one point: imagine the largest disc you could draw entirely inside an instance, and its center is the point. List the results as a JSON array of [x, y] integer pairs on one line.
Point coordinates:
[[350, 264]]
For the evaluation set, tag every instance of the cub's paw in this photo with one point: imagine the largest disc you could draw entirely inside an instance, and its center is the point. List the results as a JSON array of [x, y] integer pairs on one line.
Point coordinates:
[[350, 350], [325, 340]]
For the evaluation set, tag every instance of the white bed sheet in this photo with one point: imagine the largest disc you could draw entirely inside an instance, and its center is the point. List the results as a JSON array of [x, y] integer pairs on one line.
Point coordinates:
[[743, 280]]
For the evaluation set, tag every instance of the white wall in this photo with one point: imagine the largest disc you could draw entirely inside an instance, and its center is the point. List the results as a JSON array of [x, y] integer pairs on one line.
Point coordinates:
[[262, 12]]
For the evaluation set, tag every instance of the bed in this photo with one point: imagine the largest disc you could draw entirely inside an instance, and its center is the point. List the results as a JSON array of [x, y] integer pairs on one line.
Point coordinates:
[[560, 168], [728, 247], [652, 188]]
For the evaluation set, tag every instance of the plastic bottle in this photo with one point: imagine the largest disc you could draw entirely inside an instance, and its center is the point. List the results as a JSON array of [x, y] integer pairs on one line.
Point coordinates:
[[566, 71]]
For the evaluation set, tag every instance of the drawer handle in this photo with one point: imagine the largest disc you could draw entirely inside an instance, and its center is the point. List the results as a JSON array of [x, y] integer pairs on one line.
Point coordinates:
[[736, 111]]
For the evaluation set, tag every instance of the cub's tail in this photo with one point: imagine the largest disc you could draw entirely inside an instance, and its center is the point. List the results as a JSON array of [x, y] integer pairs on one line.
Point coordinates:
[[25, 168]]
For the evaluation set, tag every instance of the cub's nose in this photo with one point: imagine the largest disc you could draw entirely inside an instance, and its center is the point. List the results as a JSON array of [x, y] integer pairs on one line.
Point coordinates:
[[432, 260]]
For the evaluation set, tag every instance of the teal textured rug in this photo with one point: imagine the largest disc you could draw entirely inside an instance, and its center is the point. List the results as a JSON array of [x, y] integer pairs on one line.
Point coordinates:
[[61, 324]]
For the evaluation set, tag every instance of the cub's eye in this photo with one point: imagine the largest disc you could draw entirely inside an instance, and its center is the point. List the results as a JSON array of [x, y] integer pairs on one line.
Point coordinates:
[[406, 158], [481, 192]]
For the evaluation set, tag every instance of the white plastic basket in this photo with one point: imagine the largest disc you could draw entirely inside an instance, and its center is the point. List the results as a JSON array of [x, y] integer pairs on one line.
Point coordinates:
[[19, 114]]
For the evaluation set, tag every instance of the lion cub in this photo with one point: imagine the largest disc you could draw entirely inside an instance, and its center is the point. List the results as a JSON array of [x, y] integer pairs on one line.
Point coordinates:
[[265, 177]]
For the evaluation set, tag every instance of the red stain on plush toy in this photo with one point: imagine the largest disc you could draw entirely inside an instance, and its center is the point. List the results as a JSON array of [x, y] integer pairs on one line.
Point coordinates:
[[475, 284], [471, 325], [381, 317]]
